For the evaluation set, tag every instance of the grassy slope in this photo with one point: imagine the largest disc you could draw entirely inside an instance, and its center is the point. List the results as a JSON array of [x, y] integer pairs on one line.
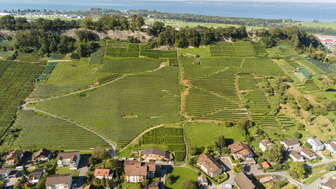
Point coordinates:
[[39, 131], [206, 134], [122, 110]]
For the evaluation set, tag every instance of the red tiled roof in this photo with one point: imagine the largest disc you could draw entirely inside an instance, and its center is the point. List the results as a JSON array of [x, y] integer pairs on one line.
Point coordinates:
[[102, 172]]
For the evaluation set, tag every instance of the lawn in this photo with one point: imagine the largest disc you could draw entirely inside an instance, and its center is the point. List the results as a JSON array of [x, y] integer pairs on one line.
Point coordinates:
[[183, 175], [66, 170], [206, 134], [38, 131], [203, 52], [122, 110]]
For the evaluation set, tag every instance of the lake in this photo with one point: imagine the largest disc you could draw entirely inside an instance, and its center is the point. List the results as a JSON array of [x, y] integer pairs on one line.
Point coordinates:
[[297, 11]]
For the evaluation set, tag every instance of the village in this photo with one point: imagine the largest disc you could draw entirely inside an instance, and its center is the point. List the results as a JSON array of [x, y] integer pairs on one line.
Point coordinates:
[[240, 168]]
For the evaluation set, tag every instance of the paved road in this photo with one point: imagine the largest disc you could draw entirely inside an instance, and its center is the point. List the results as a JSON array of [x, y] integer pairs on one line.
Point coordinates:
[[317, 182]]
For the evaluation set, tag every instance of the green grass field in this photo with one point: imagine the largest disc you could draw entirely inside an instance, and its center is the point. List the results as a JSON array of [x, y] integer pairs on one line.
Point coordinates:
[[206, 134], [39, 131], [122, 110], [183, 175]]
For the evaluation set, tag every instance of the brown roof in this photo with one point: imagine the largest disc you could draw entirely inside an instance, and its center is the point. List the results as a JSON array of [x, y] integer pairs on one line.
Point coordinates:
[[307, 152], [42, 152], [331, 184], [296, 154], [68, 155], [208, 162], [57, 179], [244, 182], [135, 168], [291, 142], [156, 151], [14, 154], [240, 148], [102, 172]]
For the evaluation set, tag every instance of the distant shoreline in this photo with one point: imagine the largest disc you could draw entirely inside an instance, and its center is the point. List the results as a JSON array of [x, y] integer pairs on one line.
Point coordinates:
[[323, 12]]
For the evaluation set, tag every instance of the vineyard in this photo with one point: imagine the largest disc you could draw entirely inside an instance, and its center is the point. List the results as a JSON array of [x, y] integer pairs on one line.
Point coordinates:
[[247, 82], [43, 132], [122, 49], [170, 137], [17, 82], [129, 65], [122, 110], [238, 49]]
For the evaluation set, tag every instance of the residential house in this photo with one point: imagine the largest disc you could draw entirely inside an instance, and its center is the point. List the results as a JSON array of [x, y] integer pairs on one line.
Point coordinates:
[[243, 182], [331, 184], [316, 144], [154, 185], [296, 156], [59, 182], [156, 154], [70, 159], [4, 173], [103, 174], [242, 152], [209, 165], [90, 186], [42, 155], [308, 154], [290, 144], [136, 171], [331, 146], [35, 176], [266, 179], [264, 145], [266, 165], [14, 157]]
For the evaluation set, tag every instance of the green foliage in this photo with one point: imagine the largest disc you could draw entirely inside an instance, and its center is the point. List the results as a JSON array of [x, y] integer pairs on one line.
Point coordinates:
[[274, 154], [129, 65], [297, 170]]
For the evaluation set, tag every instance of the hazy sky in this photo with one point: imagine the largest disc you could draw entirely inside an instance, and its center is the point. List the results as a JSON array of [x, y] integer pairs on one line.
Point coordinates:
[[118, 1]]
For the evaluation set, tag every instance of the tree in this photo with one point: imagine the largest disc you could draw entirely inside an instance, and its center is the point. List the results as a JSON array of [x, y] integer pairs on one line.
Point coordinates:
[[275, 154], [99, 153], [221, 142], [297, 170], [189, 184]]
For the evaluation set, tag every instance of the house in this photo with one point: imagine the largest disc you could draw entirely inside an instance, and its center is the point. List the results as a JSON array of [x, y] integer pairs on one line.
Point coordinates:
[[209, 165], [266, 165], [331, 146], [296, 156], [316, 144], [14, 157], [242, 151], [266, 179], [103, 174], [290, 144], [308, 154], [136, 171], [243, 182], [70, 159], [156, 154], [42, 155], [35, 176], [154, 185], [59, 182], [331, 184], [264, 145], [4, 173]]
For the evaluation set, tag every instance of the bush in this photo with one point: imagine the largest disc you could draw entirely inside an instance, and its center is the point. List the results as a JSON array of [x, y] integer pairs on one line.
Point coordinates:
[[75, 56], [297, 135]]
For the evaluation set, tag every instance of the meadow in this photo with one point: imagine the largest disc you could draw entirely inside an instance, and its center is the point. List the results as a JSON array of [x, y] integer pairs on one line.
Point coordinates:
[[182, 174], [122, 110], [39, 131], [206, 134]]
